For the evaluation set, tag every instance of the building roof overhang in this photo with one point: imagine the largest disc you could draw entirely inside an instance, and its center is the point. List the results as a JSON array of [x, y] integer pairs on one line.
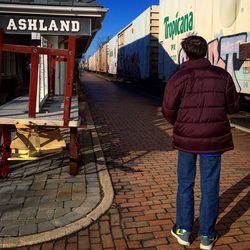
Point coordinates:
[[96, 13], [53, 10]]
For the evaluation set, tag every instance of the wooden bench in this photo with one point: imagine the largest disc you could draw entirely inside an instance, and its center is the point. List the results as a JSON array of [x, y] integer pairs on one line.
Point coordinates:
[[15, 113]]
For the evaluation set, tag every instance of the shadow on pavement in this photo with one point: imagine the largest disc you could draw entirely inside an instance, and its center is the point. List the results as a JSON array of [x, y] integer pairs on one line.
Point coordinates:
[[239, 209], [223, 225], [129, 122]]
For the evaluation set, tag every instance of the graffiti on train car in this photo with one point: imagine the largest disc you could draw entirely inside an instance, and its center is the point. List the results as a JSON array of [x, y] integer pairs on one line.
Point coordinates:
[[224, 52], [130, 65], [133, 59]]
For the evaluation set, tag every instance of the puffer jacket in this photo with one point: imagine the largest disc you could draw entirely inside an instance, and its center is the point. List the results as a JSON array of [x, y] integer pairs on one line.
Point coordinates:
[[196, 101]]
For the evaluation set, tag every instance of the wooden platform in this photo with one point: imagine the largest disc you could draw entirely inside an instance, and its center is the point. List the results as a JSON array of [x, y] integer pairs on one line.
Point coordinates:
[[16, 112]]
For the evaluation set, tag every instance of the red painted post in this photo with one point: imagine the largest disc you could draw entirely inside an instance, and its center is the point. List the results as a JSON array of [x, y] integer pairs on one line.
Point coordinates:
[[73, 151], [69, 79], [5, 150], [1, 52], [33, 83], [4, 129]]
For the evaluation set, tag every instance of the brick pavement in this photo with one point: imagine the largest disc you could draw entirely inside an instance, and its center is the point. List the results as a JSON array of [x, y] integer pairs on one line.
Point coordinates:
[[136, 141]]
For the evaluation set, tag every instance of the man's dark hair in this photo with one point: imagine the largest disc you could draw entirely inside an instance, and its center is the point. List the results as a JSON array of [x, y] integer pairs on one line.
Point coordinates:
[[195, 47]]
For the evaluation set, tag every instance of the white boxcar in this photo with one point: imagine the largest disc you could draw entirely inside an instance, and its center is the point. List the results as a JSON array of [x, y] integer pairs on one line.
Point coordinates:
[[103, 59], [88, 63], [138, 46], [224, 24], [93, 62], [113, 53]]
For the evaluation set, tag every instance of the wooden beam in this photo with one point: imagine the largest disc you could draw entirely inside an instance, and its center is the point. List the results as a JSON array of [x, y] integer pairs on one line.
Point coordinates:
[[69, 79], [29, 49]]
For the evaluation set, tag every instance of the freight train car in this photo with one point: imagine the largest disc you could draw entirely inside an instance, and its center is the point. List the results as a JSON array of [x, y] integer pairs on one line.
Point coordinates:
[[103, 59], [92, 62], [133, 52], [138, 46], [224, 24], [99, 61], [113, 55]]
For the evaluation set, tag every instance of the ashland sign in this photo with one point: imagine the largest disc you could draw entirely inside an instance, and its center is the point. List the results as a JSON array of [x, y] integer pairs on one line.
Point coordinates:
[[45, 25]]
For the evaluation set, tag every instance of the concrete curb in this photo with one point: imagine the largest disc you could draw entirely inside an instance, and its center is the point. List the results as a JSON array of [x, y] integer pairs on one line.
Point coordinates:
[[102, 207]]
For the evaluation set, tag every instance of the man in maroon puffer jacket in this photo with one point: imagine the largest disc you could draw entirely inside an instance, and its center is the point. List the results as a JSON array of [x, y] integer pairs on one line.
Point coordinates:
[[197, 99]]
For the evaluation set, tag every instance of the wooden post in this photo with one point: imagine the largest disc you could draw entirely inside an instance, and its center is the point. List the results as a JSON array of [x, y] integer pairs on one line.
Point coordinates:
[[5, 150], [73, 151], [1, 51], [69, 79], [33, 83]]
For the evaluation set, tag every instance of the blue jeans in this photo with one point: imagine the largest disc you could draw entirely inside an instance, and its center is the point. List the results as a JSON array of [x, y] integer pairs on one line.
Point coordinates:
[[210, 166]]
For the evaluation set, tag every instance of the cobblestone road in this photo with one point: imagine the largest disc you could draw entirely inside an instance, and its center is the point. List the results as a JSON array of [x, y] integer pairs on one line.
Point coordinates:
[[136, 142]]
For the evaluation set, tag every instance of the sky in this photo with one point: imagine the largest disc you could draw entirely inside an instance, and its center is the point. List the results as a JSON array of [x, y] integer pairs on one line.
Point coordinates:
[[120, 14]]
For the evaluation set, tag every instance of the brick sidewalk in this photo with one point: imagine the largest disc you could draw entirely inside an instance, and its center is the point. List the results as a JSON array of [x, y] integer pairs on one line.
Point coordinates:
[[136, 141]]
